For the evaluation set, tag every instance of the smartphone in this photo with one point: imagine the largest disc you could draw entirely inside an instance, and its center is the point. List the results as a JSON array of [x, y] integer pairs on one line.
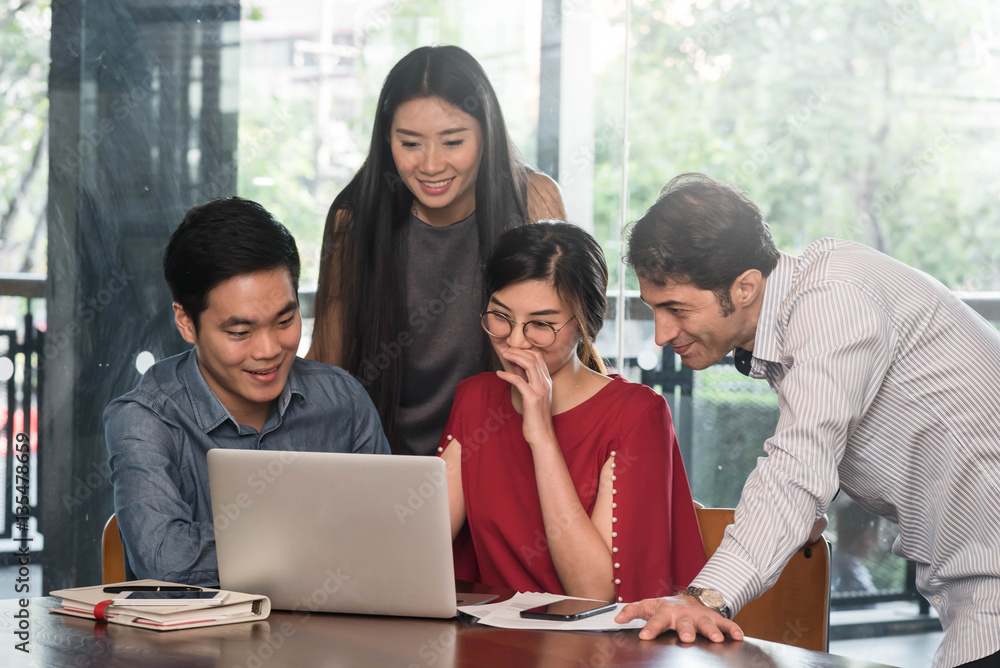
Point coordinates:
[[568, 610], [170, 598]]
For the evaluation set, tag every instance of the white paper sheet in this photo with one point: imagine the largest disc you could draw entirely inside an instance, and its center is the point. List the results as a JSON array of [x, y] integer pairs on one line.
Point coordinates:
[[507, 615]]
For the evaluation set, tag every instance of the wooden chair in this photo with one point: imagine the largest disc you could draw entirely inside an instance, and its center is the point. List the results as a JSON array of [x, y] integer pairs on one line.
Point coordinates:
[[796, 610], [112, 553]]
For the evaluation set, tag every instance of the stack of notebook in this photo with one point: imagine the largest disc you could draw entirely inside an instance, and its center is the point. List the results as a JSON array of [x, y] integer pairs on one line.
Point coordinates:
[[96, 603]]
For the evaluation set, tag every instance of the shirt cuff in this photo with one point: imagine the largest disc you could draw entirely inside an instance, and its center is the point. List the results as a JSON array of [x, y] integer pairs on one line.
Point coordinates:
[[735, 579]]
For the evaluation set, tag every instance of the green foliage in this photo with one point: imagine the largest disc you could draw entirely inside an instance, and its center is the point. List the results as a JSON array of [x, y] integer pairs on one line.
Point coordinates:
[[732, 417], [277, 147], [24, 56], [863, 120]]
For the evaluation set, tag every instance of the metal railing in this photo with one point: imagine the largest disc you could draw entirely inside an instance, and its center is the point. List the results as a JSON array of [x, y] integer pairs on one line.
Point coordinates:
[[21, 390], [895, 579], [21, 385]]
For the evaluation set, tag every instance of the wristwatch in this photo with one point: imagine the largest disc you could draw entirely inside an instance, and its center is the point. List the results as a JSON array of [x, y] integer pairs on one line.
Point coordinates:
[[709, 598]]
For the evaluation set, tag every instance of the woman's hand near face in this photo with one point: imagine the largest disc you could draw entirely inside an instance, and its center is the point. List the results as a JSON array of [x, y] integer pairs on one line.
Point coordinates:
[[580, 553], [533, 383]]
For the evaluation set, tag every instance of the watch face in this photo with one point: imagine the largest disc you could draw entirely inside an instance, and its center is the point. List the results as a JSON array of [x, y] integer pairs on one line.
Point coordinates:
[[712, 598]]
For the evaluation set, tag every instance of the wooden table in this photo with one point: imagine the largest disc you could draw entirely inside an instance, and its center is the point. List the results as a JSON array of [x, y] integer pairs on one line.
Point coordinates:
[[288, 639]]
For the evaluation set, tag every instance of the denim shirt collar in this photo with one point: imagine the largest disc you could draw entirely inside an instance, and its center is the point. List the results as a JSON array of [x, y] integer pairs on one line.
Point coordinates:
[[208, 410], [766, 346]]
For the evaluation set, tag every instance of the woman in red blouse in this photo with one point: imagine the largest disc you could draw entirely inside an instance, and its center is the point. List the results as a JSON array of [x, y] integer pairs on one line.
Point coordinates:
[[563, 479]]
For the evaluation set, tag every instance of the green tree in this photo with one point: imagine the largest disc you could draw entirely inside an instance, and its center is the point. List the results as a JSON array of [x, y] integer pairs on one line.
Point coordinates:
[[24, 56], [854, 119]]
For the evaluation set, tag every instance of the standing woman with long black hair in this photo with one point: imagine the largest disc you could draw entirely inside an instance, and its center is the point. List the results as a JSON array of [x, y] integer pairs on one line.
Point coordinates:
[[399, 284]]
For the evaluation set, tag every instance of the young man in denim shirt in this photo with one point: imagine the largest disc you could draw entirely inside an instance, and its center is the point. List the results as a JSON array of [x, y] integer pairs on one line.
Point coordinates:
[[233, 271]]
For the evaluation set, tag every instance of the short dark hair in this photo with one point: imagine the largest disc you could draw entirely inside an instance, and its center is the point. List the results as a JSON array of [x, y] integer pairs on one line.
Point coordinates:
[[222, 239], [703, 232], [570, 259]]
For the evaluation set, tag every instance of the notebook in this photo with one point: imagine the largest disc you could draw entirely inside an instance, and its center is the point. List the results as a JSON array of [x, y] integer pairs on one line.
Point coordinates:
[[326, 532]]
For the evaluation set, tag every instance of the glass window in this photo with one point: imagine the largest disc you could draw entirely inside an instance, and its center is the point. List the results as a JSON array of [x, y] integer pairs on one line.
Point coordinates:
[[861, 121]]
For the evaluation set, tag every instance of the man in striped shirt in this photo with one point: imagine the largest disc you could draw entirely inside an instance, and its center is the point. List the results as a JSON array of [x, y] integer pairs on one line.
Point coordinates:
[[888, 387]]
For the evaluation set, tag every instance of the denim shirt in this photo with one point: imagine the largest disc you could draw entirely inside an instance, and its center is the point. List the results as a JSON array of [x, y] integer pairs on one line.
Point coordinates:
[[158, 436]]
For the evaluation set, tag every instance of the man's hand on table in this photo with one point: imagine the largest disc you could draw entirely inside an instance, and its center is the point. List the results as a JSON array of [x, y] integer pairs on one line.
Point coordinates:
[[684, 614]]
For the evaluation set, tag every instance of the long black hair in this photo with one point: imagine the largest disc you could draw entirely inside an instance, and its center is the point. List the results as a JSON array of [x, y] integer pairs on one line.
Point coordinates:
[[567, 257], [363, 265]]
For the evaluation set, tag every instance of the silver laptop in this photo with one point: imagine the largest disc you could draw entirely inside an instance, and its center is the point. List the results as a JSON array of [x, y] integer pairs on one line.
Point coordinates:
[[352, 533]]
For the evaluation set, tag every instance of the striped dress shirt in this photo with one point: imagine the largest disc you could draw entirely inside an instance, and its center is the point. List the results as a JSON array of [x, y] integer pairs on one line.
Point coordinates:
[[888, 388]]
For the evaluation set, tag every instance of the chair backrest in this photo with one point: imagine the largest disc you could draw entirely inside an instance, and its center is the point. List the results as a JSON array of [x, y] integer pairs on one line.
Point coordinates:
[[796, 610], [112, 553]]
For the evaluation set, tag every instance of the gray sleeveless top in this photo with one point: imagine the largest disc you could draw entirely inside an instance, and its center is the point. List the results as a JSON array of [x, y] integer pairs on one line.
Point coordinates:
[[445, 341]]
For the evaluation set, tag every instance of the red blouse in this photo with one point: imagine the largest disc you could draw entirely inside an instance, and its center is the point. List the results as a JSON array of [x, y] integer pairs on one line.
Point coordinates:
[[656, 542]]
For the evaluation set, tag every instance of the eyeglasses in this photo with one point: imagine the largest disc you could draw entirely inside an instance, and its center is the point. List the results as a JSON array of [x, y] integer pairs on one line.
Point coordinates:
[[541, 334]]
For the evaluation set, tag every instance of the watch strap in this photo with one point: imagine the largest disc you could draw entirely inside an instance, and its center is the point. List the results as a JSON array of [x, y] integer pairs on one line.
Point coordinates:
[[708, 598]]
